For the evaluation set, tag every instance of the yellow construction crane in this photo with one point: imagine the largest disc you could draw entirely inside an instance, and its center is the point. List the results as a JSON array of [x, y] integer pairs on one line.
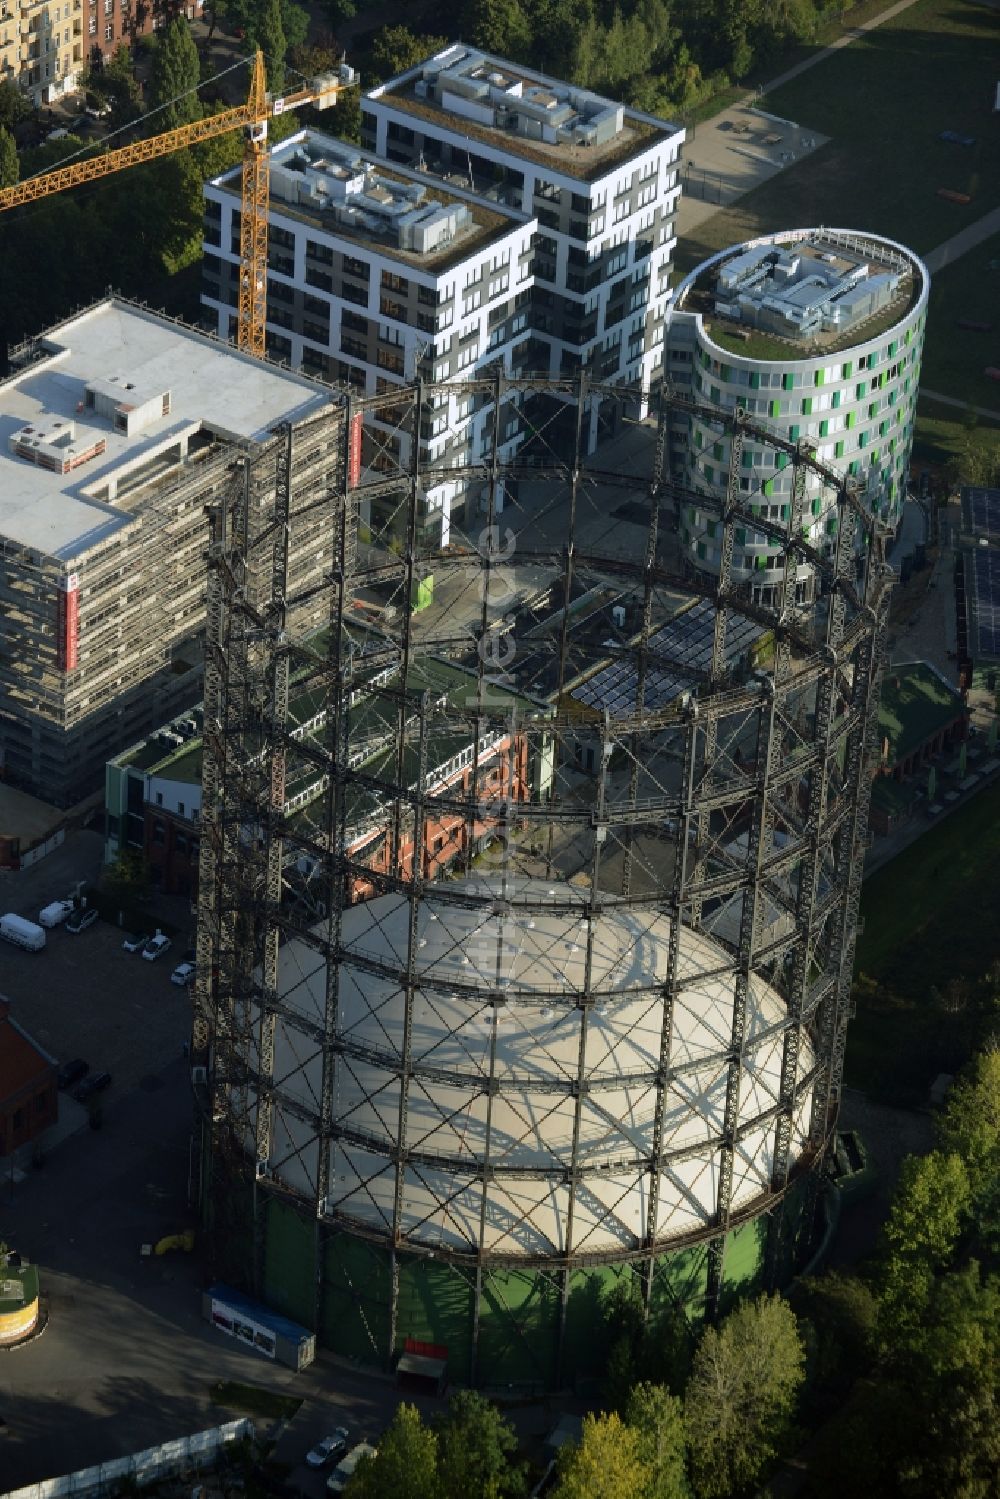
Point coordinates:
[[252, 118]]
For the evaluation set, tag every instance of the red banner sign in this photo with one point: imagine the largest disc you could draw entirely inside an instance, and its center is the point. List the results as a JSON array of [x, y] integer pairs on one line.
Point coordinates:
[[68, 623], [354, 451]]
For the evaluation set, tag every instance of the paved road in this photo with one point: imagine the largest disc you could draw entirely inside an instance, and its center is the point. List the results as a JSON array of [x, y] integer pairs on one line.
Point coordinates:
[[966, 239], [943, 400], [849, 36]]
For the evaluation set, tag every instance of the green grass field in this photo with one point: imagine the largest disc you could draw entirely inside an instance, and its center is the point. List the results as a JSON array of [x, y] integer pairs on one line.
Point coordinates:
[[883, 100], [932, 915], [954, 358]]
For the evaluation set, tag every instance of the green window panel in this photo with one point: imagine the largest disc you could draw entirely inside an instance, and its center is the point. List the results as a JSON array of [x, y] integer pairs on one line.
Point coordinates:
[[699, 438], [862, 439], [717, 450], [793, 433], [788, 381], [782, 460], [874, 457], [816, 505], [768, 486], [747, 459], [784, 512], [725, 373], [893, 397], [755, 379], [709, 473], [835, 399], [872, 409], [818, 377], [774, 408], [838, 451], [831, 525], [852, 417], [846, 369], [824, 428], [883, 428], [702, 551], [713, 528], [854, 467], [716, 395], [893, 347], [807, 406], [760, 563], [881, 379], [741, 536], [861, 390]]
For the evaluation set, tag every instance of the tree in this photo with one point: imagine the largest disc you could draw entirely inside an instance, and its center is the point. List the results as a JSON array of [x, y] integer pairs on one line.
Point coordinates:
[[839, 1314], [397, 48], [294, 24], [8, 159], [501, 26], [264, 30], [969, 1123], [405, 1465], [741, 1396], [657, 1418], [604, 1464], [475, 1446], [14, 107], [928, 1212], [175, 74]]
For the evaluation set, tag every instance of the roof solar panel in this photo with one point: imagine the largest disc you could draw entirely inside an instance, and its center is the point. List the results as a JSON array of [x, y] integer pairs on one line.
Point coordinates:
[[985, 595]]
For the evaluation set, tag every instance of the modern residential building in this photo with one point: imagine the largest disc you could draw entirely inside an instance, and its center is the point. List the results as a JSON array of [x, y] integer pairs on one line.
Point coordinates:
[[120, 429], [601, 180], [817, 334], [378, 275]]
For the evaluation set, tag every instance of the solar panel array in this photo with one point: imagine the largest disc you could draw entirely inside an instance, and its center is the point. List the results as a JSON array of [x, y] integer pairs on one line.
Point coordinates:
[[986, 602], [679, 651], [982, 511]]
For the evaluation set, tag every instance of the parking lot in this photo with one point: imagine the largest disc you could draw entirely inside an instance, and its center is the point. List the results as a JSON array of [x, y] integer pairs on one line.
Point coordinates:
[[83, 996]]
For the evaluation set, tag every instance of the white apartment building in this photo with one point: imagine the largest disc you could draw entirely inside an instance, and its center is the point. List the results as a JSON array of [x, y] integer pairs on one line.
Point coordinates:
[[380, 275], [601, 180]]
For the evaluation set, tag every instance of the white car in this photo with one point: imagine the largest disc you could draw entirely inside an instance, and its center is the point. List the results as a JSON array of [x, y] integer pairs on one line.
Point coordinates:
[[156, 947], [329, 1447], [183, 974]]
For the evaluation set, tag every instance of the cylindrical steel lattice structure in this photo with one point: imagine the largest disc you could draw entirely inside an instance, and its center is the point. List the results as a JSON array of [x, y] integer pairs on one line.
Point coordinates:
[[529, 886]]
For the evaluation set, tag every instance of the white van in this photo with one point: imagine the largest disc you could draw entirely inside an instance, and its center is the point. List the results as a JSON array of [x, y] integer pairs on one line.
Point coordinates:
[[54, 913], [337, 1481], [22, 933]]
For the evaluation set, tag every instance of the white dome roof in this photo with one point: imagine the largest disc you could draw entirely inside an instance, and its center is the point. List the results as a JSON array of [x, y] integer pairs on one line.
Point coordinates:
[[497, 1042]]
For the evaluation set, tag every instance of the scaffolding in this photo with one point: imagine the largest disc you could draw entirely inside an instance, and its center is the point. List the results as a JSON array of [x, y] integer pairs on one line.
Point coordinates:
[[446, 885]]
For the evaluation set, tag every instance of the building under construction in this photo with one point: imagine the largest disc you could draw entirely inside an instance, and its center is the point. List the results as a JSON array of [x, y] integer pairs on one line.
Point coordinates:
[[121, 427], [542, 989]]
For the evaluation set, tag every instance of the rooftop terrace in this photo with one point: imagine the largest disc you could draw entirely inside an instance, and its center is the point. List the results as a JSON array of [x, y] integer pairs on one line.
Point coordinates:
[[481, 97], [105, 393], [407, 215]]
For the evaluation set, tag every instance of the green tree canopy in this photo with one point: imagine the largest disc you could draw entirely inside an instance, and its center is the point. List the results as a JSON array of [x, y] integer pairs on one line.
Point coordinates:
[[14, 107], [741, 1396], [475, 1448], [657, 1418], [928, 1212], [176, 71], [264, 29], [501, 26], [969, 1123], [405, 1466], [397, 48], [9, 166], [606, 1463]]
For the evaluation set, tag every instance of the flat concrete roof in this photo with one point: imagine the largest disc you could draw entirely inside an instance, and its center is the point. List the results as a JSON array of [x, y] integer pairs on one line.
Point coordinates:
[[212, 387], [26, 817]]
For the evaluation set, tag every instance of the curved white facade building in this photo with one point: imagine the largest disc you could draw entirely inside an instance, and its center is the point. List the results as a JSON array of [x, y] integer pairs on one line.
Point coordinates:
[[818, 333]]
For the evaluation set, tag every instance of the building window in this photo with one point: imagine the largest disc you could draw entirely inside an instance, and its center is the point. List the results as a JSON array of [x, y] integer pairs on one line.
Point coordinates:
[[159, 833], [109, 31], [159, 798], [180, 809]]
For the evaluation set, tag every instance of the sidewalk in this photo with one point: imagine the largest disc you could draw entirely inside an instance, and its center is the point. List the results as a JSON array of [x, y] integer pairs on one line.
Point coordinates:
[[966, 239], [844, 41], [943, 400]]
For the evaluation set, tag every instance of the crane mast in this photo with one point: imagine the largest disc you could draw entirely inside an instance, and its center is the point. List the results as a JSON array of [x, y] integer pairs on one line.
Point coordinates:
[[252, 118]]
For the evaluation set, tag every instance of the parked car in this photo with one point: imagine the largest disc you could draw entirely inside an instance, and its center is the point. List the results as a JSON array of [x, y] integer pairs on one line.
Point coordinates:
[[135, 941], [96, 1082], [183, 974], [71, 1072], [329, 1448], [156, 947], [80, 920], [55, 912]]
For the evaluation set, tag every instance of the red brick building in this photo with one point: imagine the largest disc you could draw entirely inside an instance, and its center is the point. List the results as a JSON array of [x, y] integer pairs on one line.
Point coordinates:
[[109, 23], [28, 1096]]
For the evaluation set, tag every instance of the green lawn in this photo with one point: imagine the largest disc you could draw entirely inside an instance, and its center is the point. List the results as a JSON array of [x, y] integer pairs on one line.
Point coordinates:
[[883, 101], [954, 358], [932, 915]]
